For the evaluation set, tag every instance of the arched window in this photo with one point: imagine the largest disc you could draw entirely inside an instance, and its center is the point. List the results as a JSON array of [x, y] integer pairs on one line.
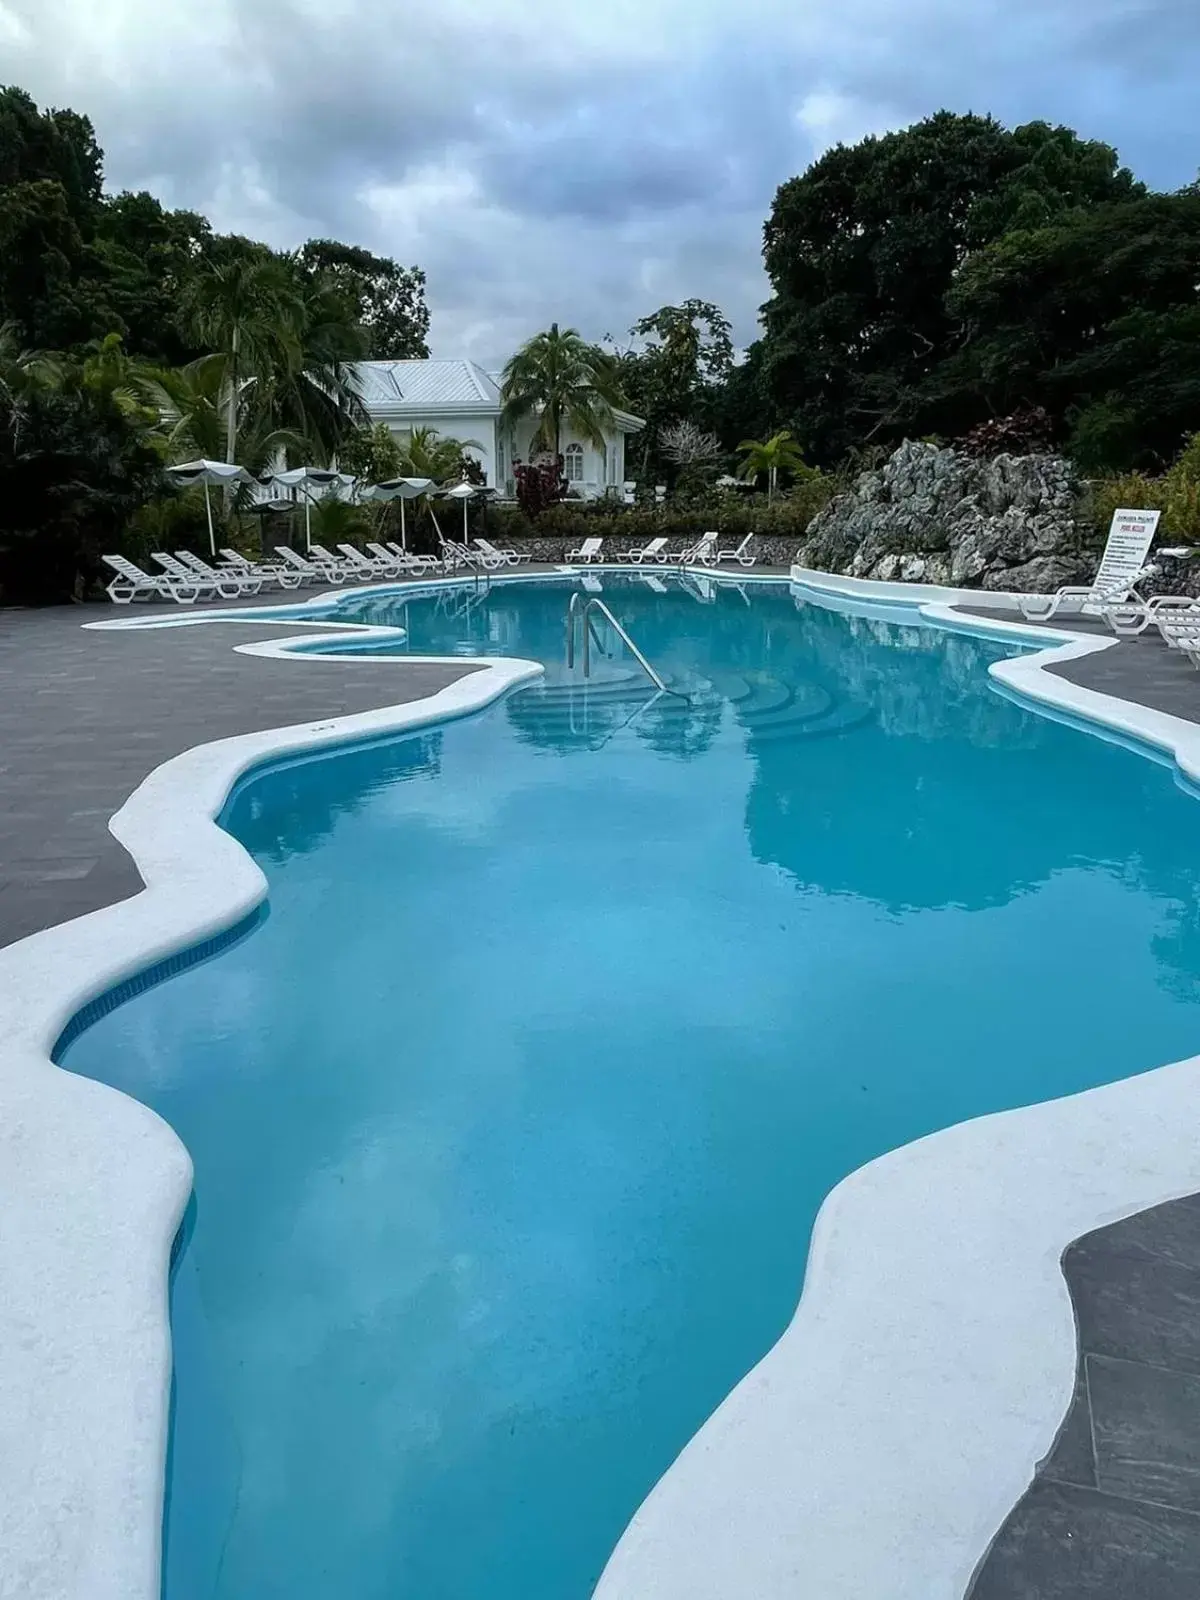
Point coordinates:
[[573, 463]]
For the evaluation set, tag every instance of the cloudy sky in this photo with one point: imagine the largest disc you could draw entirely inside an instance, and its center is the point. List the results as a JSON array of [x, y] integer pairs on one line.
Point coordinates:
[[585, 160]]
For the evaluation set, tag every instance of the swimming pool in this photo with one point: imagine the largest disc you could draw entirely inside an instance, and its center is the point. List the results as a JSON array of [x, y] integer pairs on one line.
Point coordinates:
[[511, 1120]]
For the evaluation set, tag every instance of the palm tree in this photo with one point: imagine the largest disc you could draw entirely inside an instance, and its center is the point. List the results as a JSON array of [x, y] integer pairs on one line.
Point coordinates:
[[192, 405], [779, 453], [316, 391], [561, 378], [426, 453], [107, 370], [24, 374], [247, 310], [285, 344]]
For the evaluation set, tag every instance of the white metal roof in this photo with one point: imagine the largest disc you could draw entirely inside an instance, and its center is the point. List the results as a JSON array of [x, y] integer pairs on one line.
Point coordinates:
[[426, 385]]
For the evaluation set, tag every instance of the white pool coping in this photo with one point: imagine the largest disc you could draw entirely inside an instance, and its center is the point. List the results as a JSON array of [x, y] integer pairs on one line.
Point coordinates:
[[871, 1455]]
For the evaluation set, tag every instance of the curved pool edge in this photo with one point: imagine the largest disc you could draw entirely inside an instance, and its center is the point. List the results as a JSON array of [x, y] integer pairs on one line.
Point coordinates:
[[881, 1443], [741, 1512], [93, 1184]]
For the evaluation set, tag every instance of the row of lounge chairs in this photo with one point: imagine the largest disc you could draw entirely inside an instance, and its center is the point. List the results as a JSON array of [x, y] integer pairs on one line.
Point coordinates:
[[186, 578], [704, 552], [1126, 610]]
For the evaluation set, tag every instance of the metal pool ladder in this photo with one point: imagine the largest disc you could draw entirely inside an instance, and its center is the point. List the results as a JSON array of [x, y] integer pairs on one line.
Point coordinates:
[[579, 613]]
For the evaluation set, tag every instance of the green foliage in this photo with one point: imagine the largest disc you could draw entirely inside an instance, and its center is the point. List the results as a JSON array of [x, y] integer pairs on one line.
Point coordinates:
[[735, 514], [372, 454], [768, 458], [1176, 493], [1093, 317], [138, 261], [558, 377], [387, 300], [676, 376], [864, 250], [73, 471]]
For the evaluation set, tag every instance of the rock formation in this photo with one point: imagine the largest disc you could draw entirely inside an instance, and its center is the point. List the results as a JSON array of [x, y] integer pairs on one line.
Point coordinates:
[[935, 516]]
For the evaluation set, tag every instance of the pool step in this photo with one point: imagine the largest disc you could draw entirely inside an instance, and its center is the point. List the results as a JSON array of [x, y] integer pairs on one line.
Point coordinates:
[[589, 712], [842, 717]]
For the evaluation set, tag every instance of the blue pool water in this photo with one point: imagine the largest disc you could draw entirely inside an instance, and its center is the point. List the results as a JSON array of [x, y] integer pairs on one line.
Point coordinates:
[[511, 1120]]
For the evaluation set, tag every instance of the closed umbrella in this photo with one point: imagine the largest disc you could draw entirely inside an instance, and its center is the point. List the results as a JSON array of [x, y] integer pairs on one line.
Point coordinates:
[[208, 472]]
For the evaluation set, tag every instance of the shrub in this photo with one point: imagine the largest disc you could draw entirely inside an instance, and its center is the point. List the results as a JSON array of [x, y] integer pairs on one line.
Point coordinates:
[[1176, 494], [540, 484], [1023, 433], [733, 515]]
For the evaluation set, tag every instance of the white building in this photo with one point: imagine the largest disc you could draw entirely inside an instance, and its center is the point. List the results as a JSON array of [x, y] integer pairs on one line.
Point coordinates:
[[462, 401]]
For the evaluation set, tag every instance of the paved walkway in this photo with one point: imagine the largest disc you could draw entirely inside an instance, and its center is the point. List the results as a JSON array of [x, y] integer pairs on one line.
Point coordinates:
[[1141, 669], [1113, 1512]]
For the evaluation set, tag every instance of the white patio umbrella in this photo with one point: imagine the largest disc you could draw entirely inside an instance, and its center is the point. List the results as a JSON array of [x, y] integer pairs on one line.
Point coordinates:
[[208, 472], [309, 480], [401, 489], [466, 492]]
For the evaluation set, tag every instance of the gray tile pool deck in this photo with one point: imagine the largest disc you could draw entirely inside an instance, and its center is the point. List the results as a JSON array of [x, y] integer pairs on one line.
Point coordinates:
[[1114, 1509], [1113, 1512], [85, 715]]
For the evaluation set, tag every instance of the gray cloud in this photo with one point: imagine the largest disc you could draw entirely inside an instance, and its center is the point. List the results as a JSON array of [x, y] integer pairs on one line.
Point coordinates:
[[564, 159]]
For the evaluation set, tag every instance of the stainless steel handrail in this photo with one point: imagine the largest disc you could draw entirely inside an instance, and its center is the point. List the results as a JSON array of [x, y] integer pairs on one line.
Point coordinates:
[[594, 604]]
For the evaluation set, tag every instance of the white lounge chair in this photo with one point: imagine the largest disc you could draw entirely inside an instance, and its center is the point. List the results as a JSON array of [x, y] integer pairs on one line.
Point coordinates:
[[336, 566], [455, 554], [1122, 567], [511, 558], [409, 558], [1085, 599], [309, 571], [205, 587], [1181, 630], [654, 551], [131, 583], [388, 568], [741, 555], [268, 571], [1129, 618], [230, 584], [590, 550], [702, 552]]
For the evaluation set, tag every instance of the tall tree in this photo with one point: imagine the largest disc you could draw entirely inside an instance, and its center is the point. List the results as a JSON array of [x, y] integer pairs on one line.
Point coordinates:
[[863, 249], [139, 260], [247, 310], [678, 372], [314, 389], [1093, 317], [388, 300], [426, 453], [50, 176], [73, 468], [558, 377]]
